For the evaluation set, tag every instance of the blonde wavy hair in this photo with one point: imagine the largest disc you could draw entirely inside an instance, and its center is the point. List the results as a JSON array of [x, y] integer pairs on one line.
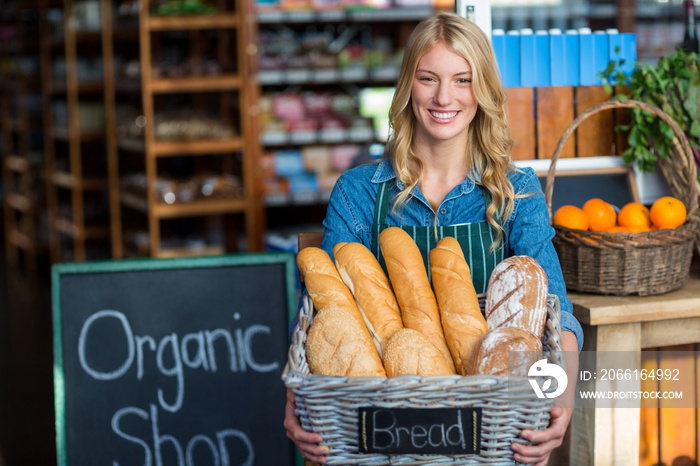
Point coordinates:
[[489, 142]]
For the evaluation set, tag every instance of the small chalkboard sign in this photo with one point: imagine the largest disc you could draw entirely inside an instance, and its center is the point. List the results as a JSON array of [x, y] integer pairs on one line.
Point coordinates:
[[446, 431], [173, 361]]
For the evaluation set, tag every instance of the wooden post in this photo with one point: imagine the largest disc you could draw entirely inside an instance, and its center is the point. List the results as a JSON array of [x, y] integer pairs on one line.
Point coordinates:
[[597, 436]]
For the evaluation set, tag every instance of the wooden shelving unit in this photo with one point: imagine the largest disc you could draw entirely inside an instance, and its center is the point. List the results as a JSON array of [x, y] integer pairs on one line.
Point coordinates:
[[221, 92], [319, 63], [20, 133], [76, 60]]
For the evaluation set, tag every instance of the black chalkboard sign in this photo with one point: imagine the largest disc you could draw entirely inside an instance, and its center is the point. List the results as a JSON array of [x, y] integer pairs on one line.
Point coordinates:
[[173, 361], [576, 190], [448, 431]]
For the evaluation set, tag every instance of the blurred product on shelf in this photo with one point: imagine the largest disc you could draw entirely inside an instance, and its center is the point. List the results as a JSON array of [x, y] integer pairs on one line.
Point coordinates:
[[309, 174], [170, 190], [311, 117], [185, 7], [91, 115], [690, 33], [189, 126]]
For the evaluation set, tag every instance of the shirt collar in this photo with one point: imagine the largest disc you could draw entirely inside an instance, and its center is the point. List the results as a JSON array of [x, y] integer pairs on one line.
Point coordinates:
[[385, 171]]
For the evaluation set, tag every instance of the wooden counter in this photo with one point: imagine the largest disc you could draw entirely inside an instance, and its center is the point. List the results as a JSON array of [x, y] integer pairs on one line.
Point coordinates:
[[610, 436]]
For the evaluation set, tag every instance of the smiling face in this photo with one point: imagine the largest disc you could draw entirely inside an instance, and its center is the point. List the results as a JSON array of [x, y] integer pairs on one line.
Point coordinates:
[[442, 98]]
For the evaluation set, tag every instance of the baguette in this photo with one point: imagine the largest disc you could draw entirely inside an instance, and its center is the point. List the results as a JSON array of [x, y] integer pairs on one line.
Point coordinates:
[[363, 275], [408, 352], [517, 295], [338, 345], [323, 281], [462, 320], [505, 351], [414, 294]]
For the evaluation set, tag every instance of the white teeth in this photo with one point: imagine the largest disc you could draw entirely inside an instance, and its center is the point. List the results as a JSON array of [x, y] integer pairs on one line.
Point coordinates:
[[443, 115]]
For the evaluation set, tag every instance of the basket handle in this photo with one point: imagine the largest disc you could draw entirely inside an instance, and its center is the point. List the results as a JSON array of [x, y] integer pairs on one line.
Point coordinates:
[[682, 180]]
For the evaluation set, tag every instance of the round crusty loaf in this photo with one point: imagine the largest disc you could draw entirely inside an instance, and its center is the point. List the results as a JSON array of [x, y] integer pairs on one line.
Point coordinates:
[[517, 295], [336, 345], [409, 279], [462, 320], [505, 351], [408, 352], [363, 275]]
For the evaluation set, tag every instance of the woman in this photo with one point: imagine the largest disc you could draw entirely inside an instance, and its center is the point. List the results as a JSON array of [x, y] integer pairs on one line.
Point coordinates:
[[447, 171]]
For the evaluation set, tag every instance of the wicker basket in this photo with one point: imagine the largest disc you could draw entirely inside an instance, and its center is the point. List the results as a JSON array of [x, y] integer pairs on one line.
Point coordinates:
[[329, 405], [641, 264]]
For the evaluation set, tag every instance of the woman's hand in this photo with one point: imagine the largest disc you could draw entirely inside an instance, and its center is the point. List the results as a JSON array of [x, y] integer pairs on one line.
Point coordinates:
[[546, 441], [307, 442]]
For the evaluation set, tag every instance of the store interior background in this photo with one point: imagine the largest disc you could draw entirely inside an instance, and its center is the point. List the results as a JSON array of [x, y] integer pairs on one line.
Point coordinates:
[[77, 80]]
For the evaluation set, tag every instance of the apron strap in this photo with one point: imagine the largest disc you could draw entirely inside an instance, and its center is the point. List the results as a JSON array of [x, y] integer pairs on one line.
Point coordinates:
[[381, 209], [474, 238]]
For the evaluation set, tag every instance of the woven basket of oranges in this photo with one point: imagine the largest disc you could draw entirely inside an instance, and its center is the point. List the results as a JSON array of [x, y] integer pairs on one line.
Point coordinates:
[[638, 250]]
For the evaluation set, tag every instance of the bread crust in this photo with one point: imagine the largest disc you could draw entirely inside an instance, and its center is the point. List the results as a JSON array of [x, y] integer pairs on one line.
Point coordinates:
[[336, 345], [414, 294], [517, 295], [460, 313], [326, 287], [505, 351], [322, 280], [408, 352], [368, 283]]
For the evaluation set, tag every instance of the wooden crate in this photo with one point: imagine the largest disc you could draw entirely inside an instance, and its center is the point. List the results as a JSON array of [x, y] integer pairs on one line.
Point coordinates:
[[539, 116]]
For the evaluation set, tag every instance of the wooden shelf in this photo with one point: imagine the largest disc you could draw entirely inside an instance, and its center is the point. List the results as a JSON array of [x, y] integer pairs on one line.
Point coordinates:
[[20, 240], [82, 232], [131, 144], [70, 181], [227, 39], [134, 201], [87, 86], [199, 208], [190, 22], [17, 163], [21, 125], [22, 204], [175, 148], [127, 85], [71, 145], [18, 202], [196, 84], [62, 133], [183, 209], [190, 252], [14, 125]]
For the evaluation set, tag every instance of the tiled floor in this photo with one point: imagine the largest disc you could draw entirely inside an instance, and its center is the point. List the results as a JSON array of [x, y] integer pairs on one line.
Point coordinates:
[[26, 361]]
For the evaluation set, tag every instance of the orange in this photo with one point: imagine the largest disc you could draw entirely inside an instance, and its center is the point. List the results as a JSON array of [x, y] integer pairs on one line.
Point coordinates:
[[634, 214], [570, 216], [668, 212], [619, 229], [601, 215]]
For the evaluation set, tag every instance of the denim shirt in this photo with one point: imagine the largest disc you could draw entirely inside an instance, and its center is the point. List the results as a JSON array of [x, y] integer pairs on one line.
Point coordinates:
[[528, 232]]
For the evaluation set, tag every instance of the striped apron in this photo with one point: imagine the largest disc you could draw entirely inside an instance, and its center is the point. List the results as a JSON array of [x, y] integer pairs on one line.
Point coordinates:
[[474, 238]]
